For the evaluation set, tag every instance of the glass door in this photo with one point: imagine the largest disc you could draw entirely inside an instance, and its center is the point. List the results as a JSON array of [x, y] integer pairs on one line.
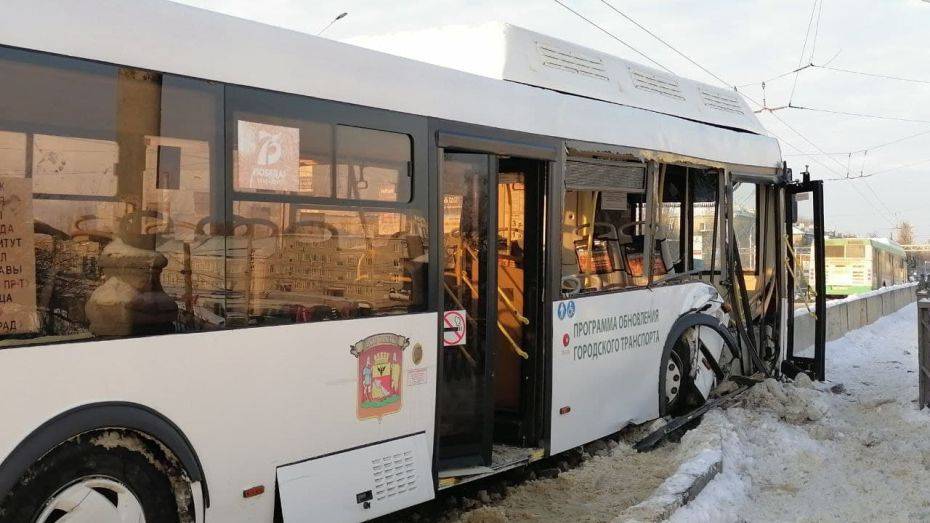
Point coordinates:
[[465, 394], [807, 328]]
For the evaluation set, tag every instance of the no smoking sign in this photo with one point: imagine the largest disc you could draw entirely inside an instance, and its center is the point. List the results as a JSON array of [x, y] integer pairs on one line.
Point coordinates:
[[453, 328]]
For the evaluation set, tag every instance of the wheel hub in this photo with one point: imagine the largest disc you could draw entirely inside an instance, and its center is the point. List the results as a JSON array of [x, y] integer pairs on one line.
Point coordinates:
[[93, 500], [672, 379]]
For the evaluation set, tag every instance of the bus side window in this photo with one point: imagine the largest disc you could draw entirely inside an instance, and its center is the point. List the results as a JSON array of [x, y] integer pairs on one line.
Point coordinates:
[[688, 208], [706, 250], [599, 241], [309, 263], [116, 168], [669, 234], [307, 245], [745, 225]]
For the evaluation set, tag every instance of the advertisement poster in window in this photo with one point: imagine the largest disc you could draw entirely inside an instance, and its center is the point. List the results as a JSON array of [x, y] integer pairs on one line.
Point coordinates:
[[17, 257], [269, 157], [74, 166]]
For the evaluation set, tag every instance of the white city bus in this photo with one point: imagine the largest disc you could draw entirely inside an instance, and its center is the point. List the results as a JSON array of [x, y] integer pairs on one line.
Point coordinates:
[[250, 274], [857, 265]]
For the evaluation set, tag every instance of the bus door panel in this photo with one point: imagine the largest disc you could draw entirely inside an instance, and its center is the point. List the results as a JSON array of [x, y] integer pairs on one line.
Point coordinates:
[[806, 311], [521, 185], [468, 201]]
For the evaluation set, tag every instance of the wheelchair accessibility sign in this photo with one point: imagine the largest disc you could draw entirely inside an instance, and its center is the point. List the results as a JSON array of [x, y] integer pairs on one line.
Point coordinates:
[[566, 309]]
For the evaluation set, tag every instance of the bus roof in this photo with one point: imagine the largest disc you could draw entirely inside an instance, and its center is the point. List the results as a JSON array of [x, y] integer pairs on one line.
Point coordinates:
[[706, 123], [507, 52]]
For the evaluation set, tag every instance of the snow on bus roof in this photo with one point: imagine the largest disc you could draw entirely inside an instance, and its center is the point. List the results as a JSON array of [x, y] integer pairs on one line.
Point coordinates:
[[174, 38]]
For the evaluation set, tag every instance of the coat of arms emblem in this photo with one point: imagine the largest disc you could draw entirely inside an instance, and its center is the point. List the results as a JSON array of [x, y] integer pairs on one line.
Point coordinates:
[[380, 370]]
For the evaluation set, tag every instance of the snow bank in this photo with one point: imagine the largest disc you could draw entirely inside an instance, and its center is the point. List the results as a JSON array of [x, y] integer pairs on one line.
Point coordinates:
[[794, 404], [865, 456], [701, 453]]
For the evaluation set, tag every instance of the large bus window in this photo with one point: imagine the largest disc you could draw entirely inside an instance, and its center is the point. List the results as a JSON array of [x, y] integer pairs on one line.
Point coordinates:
[[292, 263], [704, 217], [372, 165], [302, 247], [745, 220], [689, 199], [602, 241], [107, 209], [668, 233], [292, 148]]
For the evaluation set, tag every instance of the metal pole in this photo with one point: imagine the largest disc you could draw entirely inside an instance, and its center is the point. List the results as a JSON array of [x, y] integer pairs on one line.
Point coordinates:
[[333, 21], [923, 338]]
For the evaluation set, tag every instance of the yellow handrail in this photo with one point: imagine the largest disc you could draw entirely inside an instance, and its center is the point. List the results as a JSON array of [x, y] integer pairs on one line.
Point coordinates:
[[513, 308], [500, 293], [513, 344]]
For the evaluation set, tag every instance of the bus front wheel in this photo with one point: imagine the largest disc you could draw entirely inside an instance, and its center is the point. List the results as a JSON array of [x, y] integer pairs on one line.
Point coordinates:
[[679, 386], [101, 477]]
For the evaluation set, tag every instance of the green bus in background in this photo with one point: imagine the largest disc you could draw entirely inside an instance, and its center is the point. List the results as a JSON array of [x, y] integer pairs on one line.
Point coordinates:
[[857, 265]]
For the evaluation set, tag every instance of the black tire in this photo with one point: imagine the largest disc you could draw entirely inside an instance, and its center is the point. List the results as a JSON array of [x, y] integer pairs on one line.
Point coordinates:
[[79, 458]]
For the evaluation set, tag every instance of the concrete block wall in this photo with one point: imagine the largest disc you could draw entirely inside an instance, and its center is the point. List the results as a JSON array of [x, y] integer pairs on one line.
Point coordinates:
[[852, 313]]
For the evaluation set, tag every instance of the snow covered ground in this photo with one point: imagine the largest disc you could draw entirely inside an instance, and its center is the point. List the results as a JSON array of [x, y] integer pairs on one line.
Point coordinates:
[[852, 449], [804, 453], [599, 490]]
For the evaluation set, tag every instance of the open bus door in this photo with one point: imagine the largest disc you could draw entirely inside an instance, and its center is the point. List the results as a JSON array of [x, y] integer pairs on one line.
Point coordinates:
[[491, 370], [807, 321]]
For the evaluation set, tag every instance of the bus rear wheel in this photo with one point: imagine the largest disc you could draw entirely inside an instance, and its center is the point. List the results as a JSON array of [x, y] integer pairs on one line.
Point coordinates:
[[81, 480]]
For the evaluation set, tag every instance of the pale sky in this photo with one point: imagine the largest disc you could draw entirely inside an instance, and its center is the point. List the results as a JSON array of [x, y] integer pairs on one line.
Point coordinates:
[[743, 42]]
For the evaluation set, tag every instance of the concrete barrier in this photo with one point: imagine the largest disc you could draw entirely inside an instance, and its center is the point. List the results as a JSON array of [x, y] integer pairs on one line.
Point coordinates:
[[856, 314], [852, 313], [837, 321], [873, 308]]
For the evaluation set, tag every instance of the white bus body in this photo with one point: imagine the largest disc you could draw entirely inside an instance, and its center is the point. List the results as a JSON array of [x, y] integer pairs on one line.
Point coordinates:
[[292, 410]]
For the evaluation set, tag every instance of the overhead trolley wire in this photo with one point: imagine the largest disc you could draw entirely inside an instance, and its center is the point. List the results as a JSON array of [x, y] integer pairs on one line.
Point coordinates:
[[880, 201], [615, 37], [670, 46], [816, 31], [808, 140], [735, 88], [827, 167], [763, 107], [879, 212], [826, 66], [840, 176], [867, 149], [777, 77], [882, 171], [683, 55], [807, 35], [873, 75], [814, 159], [861, 115]]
